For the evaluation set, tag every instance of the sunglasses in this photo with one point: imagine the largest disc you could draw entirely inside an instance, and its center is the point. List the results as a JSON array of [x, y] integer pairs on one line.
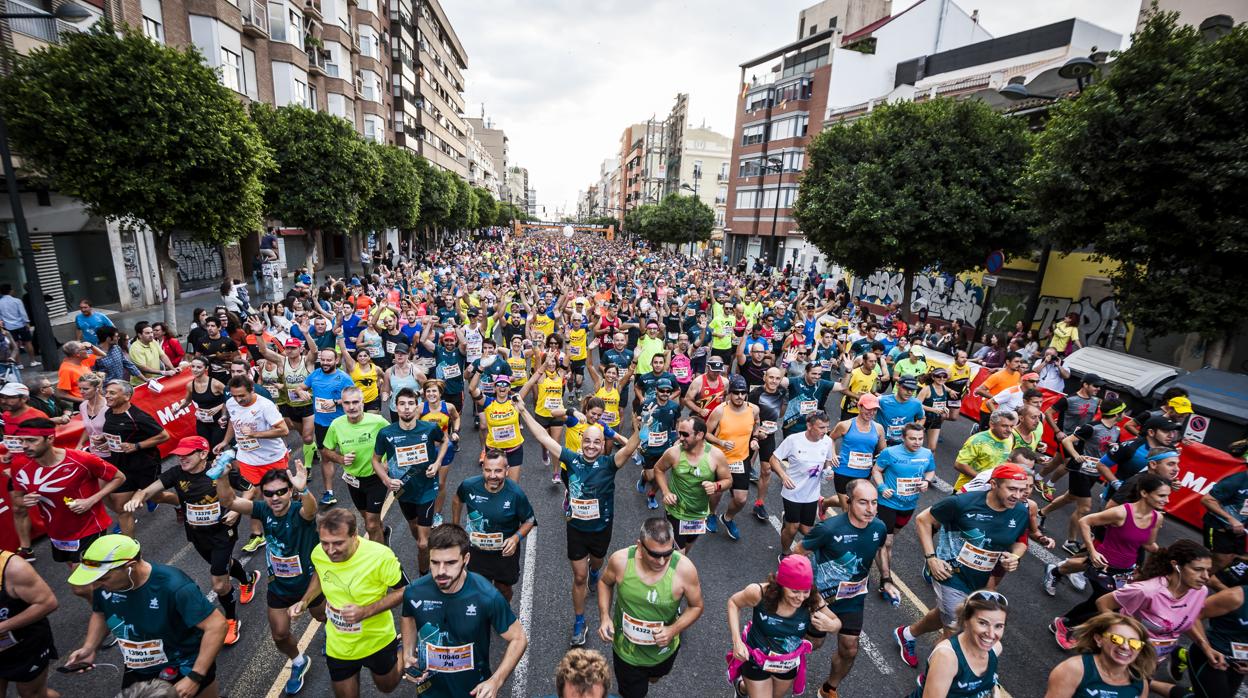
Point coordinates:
[[662, 555], [738, 392], [684, 434], [1119, 640], [276, 493], [990, 596], [96, 564]]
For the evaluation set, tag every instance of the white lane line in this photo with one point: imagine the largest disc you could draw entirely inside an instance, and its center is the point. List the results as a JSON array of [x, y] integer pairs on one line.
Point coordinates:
[[279, 683], [1045, 556], [520, 677], [864, 643]]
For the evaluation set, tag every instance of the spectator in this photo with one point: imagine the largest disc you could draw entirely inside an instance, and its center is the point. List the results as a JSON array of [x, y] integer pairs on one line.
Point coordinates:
[[88, 322], [146, 353], [169, 344], [114, 363], [16, 322], [43, 399], [79, 360]]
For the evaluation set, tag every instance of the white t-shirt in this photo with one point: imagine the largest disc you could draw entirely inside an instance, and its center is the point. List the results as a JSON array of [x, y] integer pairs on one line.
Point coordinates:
[[261, 415], [806, 460], [1011, 398]]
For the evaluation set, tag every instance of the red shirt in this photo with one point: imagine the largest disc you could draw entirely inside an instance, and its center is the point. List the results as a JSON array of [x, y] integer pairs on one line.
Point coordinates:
[[173, 349], [77, 476], [11, 444]]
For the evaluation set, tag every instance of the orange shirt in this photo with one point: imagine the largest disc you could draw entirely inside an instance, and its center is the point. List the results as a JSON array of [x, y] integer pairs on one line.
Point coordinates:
[[1001, 380], [68, 374]]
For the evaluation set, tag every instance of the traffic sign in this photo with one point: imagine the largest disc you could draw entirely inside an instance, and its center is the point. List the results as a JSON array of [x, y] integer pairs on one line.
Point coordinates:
[[1197, 427], [995, 261]]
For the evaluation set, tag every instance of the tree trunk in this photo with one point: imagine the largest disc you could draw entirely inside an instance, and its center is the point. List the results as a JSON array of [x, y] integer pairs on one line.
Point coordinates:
[[168, 281], [907, 292], [1215, 352], [314, 252], [346, 257]]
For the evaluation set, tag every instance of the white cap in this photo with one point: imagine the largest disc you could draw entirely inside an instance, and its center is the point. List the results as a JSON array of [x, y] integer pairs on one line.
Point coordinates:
[[15, 390]]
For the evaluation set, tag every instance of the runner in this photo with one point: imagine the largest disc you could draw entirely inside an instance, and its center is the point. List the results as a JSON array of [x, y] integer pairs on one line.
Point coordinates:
[[1113, 660], [698, 470], [350, 441], [446, 622], [862, 438], [258, 431], [1228, 635], [843, 549], [802, 461], [770, 400], [287, 512], [658, 433], [434, 409], [366, 375], [898, 409], [499, 517], [26, 601], [589, 505], [1083, 449], [208, 396], [361, 581], [986, 449], [978, 530], [901, 475], [707, 391], [502, 425], [1226, 510], [1065, 416], [806, 396], [964, 665], [547, 385], [131, 437], [294, 366], [609, 386], [645, 624], [324, 389], [736, 426], [769, 656], [406, 458], [403, 373], [211, 532], [934, 396], [163, 623]]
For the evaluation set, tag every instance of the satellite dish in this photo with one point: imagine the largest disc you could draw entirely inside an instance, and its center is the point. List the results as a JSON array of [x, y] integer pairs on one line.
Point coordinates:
[[568, 231]]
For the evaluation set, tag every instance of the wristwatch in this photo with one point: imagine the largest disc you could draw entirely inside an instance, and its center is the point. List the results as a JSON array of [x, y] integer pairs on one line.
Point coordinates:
[[196, 677], [929, 556]]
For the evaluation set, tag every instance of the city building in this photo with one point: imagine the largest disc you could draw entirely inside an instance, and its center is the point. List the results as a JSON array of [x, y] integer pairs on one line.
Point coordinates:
[[1194, 12], [481, 165], [517, 187], [530, 197], [650, 154], [846, 51], [497, 145], [428, 83], [702, 169]]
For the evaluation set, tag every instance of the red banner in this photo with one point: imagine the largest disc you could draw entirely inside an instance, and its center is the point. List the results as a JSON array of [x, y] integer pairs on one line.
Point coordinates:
[[1200, 468], [158, 404]]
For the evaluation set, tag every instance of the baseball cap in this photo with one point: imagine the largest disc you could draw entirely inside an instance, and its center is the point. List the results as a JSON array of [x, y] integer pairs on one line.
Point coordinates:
[[473, 312], [401, 348], [449, 335], [941, 373], [1093, 379], [1009, 471], [917, 350], [15, 390], [908, 383], [294, 343], [737, 383], [664, 384], [1161, 423], [869, 401], [715, 363], [795, 573], [1178, 403], [190, 444], [1031, 377], [107, 553], [502, 379]]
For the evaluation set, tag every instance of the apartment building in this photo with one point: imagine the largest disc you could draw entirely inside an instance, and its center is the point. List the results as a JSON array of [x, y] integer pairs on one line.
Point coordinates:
[[517, 187], [495, 143], [702, 169], [428, 84]]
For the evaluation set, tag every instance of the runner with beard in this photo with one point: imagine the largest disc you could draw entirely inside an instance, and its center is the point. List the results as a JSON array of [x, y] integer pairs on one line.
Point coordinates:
[[770, 400]]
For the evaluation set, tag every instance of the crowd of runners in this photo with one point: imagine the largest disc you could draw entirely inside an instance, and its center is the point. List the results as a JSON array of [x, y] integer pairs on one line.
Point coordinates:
[[708, 385]]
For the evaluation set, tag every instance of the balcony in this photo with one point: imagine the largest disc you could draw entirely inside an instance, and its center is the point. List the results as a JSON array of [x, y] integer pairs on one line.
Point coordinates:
[[47, 30], [312, 9], [721, 177], [355, 41], [316, 60], [255, 19]]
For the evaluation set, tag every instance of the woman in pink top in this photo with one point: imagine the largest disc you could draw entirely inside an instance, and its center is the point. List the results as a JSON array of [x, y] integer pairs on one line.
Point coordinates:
[[1168, 600]]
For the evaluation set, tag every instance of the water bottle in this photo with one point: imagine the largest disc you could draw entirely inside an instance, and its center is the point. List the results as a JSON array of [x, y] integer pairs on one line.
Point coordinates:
[[221, 463]]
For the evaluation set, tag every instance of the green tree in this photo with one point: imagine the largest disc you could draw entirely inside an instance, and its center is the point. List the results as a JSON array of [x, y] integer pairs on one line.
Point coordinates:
[[643, 221], [437, 195], [487, 207], [463, 204], [139, 132], [913, 186], [326, 172], [507, 212], [396, 200], [682, 219], [1150, 166]]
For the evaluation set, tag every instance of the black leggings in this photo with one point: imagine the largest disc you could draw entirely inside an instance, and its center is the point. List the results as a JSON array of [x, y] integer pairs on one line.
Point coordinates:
[[1102, 583], [1208, 682]]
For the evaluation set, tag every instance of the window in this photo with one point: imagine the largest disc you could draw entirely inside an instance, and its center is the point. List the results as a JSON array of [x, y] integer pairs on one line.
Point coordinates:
[[368, 5], [787, 195], [337, 104], [374, 129], [335, 60], [251, 86], [806, 61], [758, 100], [294, 27], [370, 43], [793, 127], [231, 70], [753, 134], [153, 21], [312, 103], [299, 92], [370, 86], [747, 199]]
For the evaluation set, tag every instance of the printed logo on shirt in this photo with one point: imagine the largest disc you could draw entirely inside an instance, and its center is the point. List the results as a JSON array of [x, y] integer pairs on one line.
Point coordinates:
[[155, 603], [471, 610]]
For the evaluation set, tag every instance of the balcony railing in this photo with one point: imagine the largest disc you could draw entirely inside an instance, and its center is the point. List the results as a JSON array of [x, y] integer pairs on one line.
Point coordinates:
[[316, 60], [722, 177], [48, 30], [255, 18], [312, 8]]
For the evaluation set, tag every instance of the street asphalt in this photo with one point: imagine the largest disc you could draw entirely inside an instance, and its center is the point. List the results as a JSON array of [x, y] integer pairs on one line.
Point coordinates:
[[253, 668]]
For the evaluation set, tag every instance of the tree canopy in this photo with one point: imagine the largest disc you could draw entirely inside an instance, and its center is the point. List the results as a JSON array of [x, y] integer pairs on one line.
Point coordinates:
[[396, 200], [1150, 166], [915, 185]]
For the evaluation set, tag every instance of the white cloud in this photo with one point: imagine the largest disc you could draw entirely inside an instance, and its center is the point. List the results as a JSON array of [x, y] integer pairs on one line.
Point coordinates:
[[565, 77]]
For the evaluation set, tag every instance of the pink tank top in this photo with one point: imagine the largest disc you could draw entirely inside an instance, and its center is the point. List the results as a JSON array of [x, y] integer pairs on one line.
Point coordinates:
[[1122, 543]]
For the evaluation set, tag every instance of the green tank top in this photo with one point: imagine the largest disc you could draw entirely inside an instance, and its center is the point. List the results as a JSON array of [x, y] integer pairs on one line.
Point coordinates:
[[692, 502], [639, 607]]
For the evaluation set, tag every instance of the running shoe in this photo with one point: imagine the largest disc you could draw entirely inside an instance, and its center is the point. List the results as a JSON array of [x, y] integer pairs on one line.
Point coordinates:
[[652, 502], [712, 526], [637, 458], [1061, 633], [825, 693], [1049, 581], [760, 512], [253, 544], [247, 592], [232, 627], [116, 528], [1078, 581], [151, 506], [328, 499], [1046, 490], [905, 647], [641, 485], [753, 474], [730, 527], [578, 633], [28, 554], [555, 479], [437, 519], [593, 579], [298, 669], [546, 458], [1178, 665], [1071, 547]]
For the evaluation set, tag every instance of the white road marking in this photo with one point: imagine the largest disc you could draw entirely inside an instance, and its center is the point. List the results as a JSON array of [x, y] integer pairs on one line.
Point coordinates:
[[520, 677]]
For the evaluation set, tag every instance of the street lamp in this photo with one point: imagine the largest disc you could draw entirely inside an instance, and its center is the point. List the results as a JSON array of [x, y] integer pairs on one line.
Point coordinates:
[[67, 12]]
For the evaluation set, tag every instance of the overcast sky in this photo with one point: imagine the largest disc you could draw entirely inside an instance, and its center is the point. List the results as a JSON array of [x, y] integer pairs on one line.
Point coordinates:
[[564, 78]]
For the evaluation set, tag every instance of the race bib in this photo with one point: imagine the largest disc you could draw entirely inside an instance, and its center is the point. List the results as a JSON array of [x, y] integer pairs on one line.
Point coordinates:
[[448, 660], [325, 405], [848, 590], [486, 541], [505, 432], [938, 404], [407, 456], [340, 624], [657, 438], [1164, 647], [577, 352], [639, 632], [286, 567], [69, 546], [553, 403], [246, 443], [376, 351], [681, 372], [425, 365], [860, 460], [907, 486], [142, 654], [390, 347], [1088, 467], [13, 443], [1243, 508], [1239, 651], [769, 428], [113, 442], [893, 432], [203, 514], [781, 666], [7, 640], [610, 417], [205, 416], [736, 467], [692, 528], [954, 404], [807, 406], [351, 480], [450, 371], [584, 509], [977, 558]]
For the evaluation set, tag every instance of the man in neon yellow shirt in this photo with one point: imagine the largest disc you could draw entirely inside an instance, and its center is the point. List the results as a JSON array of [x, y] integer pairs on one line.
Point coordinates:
[[361, 581], [987, 449], [649, 345], [753, 308]]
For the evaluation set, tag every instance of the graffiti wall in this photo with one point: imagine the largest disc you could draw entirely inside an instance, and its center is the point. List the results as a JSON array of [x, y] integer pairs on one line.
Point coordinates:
[[945, 296], [1100, 324], [199, 263]]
